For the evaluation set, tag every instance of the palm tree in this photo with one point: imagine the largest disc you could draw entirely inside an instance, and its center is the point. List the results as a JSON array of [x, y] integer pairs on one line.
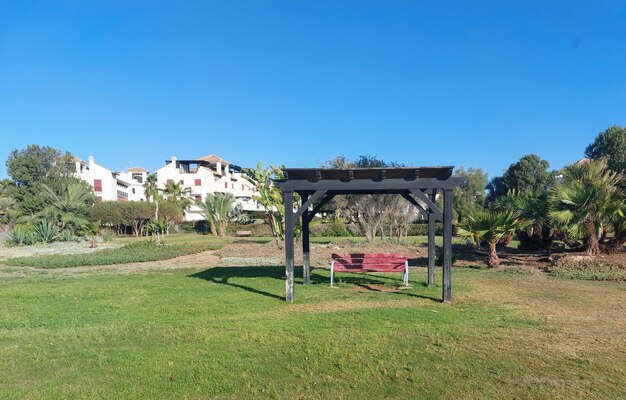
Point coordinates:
[[491, 227], [586, 201], [219, 210], [151, 189], [92, 229], [71, 207], [175, 193]]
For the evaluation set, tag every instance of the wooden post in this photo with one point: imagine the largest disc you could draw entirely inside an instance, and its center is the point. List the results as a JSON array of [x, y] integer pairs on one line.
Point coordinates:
[[431, 242], [447, 246], [306, 258], [289, 220]]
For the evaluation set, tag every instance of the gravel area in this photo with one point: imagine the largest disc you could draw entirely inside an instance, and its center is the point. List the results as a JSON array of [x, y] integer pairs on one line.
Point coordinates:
[[50, 248]]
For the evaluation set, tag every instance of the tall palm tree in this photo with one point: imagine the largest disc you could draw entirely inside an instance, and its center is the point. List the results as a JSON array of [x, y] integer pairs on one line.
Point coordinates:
[[70, 208], [219, 210], [153, 193], [586, 201], [491, 227]]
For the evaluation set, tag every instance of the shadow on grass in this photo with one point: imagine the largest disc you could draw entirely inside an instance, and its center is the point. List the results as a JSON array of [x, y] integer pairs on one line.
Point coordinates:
[[224, 276]]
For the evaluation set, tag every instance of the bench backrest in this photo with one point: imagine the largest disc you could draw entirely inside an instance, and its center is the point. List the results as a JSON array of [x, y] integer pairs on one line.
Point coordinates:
[[360, 262]]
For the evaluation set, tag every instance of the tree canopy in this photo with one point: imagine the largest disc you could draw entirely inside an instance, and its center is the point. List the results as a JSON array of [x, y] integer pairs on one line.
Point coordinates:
[[529, 175], [610, 145]]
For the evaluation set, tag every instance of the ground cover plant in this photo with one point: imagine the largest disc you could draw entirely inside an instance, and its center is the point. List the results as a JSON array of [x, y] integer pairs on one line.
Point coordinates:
[[225, 332], [139, 251]]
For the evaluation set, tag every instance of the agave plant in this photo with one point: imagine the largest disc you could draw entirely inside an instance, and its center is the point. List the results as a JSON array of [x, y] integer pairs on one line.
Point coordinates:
[[586, 202], [19, 236], [67, 236], [46, 231], [491, 227]]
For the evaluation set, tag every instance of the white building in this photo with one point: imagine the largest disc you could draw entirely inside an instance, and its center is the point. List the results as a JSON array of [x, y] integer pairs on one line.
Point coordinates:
[[209, 174], [107, 185]]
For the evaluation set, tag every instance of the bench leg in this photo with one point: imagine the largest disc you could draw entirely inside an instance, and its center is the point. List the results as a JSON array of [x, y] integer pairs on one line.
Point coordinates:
[[332, 272], [406, 273]]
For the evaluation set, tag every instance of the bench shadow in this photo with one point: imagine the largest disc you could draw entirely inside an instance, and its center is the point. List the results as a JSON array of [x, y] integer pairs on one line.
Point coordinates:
[[224, 276]]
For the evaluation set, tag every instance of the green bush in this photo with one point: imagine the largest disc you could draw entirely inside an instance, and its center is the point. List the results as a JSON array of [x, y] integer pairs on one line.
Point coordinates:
[[20, 235], [258, 230], [421, 229], [134, 252], [334, 229], [67, 236]]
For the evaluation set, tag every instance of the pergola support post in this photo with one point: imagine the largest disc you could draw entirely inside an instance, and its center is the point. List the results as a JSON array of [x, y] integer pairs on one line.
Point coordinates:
[[431, 242], [447, 246], [289, 219], [306, 256]]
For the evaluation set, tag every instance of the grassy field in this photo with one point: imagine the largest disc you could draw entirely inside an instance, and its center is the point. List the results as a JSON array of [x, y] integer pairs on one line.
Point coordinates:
[[226, 333]]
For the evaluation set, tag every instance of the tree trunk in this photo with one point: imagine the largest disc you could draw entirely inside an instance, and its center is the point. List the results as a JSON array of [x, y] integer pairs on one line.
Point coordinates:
[[94, 243], [591, 238], [492, 259]]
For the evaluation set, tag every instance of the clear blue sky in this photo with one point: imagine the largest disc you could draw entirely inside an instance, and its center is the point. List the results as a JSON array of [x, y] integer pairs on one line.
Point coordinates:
[[465, 83]]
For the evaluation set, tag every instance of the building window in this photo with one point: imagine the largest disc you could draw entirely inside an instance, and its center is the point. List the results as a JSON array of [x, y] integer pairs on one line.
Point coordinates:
[[133, 190], [169, 181], [97, 185], [243, 187], [99, 199], [182, 182], [198, 182], [225, 185], [198, 197]]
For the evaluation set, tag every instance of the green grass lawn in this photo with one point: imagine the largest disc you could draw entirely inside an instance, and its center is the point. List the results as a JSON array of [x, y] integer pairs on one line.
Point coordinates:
[[226, 333]]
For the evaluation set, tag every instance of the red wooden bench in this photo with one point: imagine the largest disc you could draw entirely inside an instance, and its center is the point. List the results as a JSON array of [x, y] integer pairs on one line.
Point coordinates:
[[363, 262]]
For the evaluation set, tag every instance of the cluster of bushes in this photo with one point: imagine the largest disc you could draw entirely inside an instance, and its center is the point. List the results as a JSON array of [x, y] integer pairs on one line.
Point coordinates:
[[334, 229], [133, 217], [134, 252], [45, 231]]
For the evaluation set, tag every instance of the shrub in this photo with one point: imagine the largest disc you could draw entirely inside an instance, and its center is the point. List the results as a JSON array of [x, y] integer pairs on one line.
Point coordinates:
[[258, 230], [19, 236], [46, 231], [134, 252], [335, 229], [67, 236], [421, 229], [107, 236]]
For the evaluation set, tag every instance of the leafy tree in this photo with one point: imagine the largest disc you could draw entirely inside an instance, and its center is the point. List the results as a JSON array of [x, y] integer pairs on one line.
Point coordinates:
[[219, 209], [611, 145], [369, 212], [529, 175], [586, 202], [470, 196], [35, 165], [491, 227]]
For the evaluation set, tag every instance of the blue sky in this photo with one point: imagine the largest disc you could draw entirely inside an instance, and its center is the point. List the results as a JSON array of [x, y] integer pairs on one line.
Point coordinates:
[[467, 83]]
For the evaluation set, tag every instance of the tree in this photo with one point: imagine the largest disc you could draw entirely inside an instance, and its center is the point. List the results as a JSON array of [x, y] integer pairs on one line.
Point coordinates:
[[92, 229], [529, 174], [270, 197], [32, 166], [534, 207], [369, 211], [219, 209], [611, 145], [70, 208], [470, 196], [586, 202], [490, 227], [175, 193], [151, 189]]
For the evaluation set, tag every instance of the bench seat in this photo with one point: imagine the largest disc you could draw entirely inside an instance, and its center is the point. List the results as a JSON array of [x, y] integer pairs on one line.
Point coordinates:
[[369, 262]]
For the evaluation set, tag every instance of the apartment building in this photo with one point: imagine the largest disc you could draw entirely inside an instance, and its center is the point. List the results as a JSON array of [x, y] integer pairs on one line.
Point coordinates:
[[208, 174]]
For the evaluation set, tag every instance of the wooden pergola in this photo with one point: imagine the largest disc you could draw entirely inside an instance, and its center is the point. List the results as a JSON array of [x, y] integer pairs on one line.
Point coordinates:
[[418, 185]]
